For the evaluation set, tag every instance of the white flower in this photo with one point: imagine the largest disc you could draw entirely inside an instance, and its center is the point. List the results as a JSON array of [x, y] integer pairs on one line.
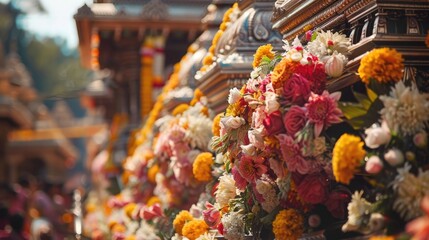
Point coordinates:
[[248, 149], [226, 190], [199, 131], [394, 157], [233, 224], [271, 103], [230, 122], [220, 158], [358, 210], [374, 165], [410, 190], [405, 109], [234, 96], [146, 231], [326, 43], [207, 236], [377, 136], [269, 194], [256, 137]]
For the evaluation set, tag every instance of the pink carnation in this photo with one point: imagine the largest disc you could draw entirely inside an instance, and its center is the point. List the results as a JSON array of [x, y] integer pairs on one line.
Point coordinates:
[[296, 89], [149, 213], [292, 155], [294, 120], [251, 167], [322, 110], [240, 182]]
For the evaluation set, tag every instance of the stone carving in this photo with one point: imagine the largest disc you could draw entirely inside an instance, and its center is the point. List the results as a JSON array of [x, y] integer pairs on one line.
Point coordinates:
[[155, 10]]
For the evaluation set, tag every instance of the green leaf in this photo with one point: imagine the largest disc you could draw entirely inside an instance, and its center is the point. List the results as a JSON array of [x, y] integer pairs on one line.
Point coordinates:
[[352, 110], [363, 100], [371, 94], [313, 36]]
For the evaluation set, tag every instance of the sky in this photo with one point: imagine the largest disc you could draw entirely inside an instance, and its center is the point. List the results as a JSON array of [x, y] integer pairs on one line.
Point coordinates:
[[57, 21]]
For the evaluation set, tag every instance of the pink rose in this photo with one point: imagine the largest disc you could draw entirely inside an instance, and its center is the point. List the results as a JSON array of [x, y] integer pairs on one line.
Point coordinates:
[[294, 120], [211, 216], [297, 89], [315, 74], [273, 123], [313, 188]]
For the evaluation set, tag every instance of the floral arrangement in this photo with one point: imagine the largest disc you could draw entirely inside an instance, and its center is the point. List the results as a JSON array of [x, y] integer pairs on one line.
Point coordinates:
[[273, 144], [390, 163]]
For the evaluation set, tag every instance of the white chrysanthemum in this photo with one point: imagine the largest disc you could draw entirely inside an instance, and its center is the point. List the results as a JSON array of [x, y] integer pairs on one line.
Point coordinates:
[[405, 109], [199, 131], [226, 190], [326, 43], [234, 95], [358, 209], [207, 236], [269, 194], [233, 225], [410, 190]]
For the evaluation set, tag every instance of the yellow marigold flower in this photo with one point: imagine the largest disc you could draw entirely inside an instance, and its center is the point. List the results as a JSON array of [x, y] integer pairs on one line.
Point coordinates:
[[197, 96], [180, 220], [119, 228], [347, 155], [152, 200], [202, 167], [282, 72], [131, 237], [234, 110], [216, 125], [382, 64], [194, 228], [151, 173], [205, 111], [216, 37], [264, 50], [288, 225], [382, 238], [208, 59], [129, 209], [181, 108], [212, 50], [222, 26]]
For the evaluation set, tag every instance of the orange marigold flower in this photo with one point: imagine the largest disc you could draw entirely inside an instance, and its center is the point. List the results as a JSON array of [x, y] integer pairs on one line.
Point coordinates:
[[382, 238], [152, 200], [288, 225], [347, 155], [383, 65], [194, 228], [197, 96], [181, 108], [264, 50], [180, 220], [216, 37], [282, 72], [202, 167], [151, 173], [208, 59], [216, 126], [129, 209]]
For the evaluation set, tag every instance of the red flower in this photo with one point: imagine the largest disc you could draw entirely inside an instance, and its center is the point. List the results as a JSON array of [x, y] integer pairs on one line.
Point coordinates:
[[313, 188], [294, 120], [240, 182], [296, 89], [251, 167], [211, 216], [292, 155], [315, 74], [322, 110], [337, 203], [149, 213], [273, 123]]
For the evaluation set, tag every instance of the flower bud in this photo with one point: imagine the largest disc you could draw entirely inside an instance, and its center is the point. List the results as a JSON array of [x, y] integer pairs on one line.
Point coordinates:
[[421, 140], [334, 66], [394, 157], [374, 165], [376, 136]]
